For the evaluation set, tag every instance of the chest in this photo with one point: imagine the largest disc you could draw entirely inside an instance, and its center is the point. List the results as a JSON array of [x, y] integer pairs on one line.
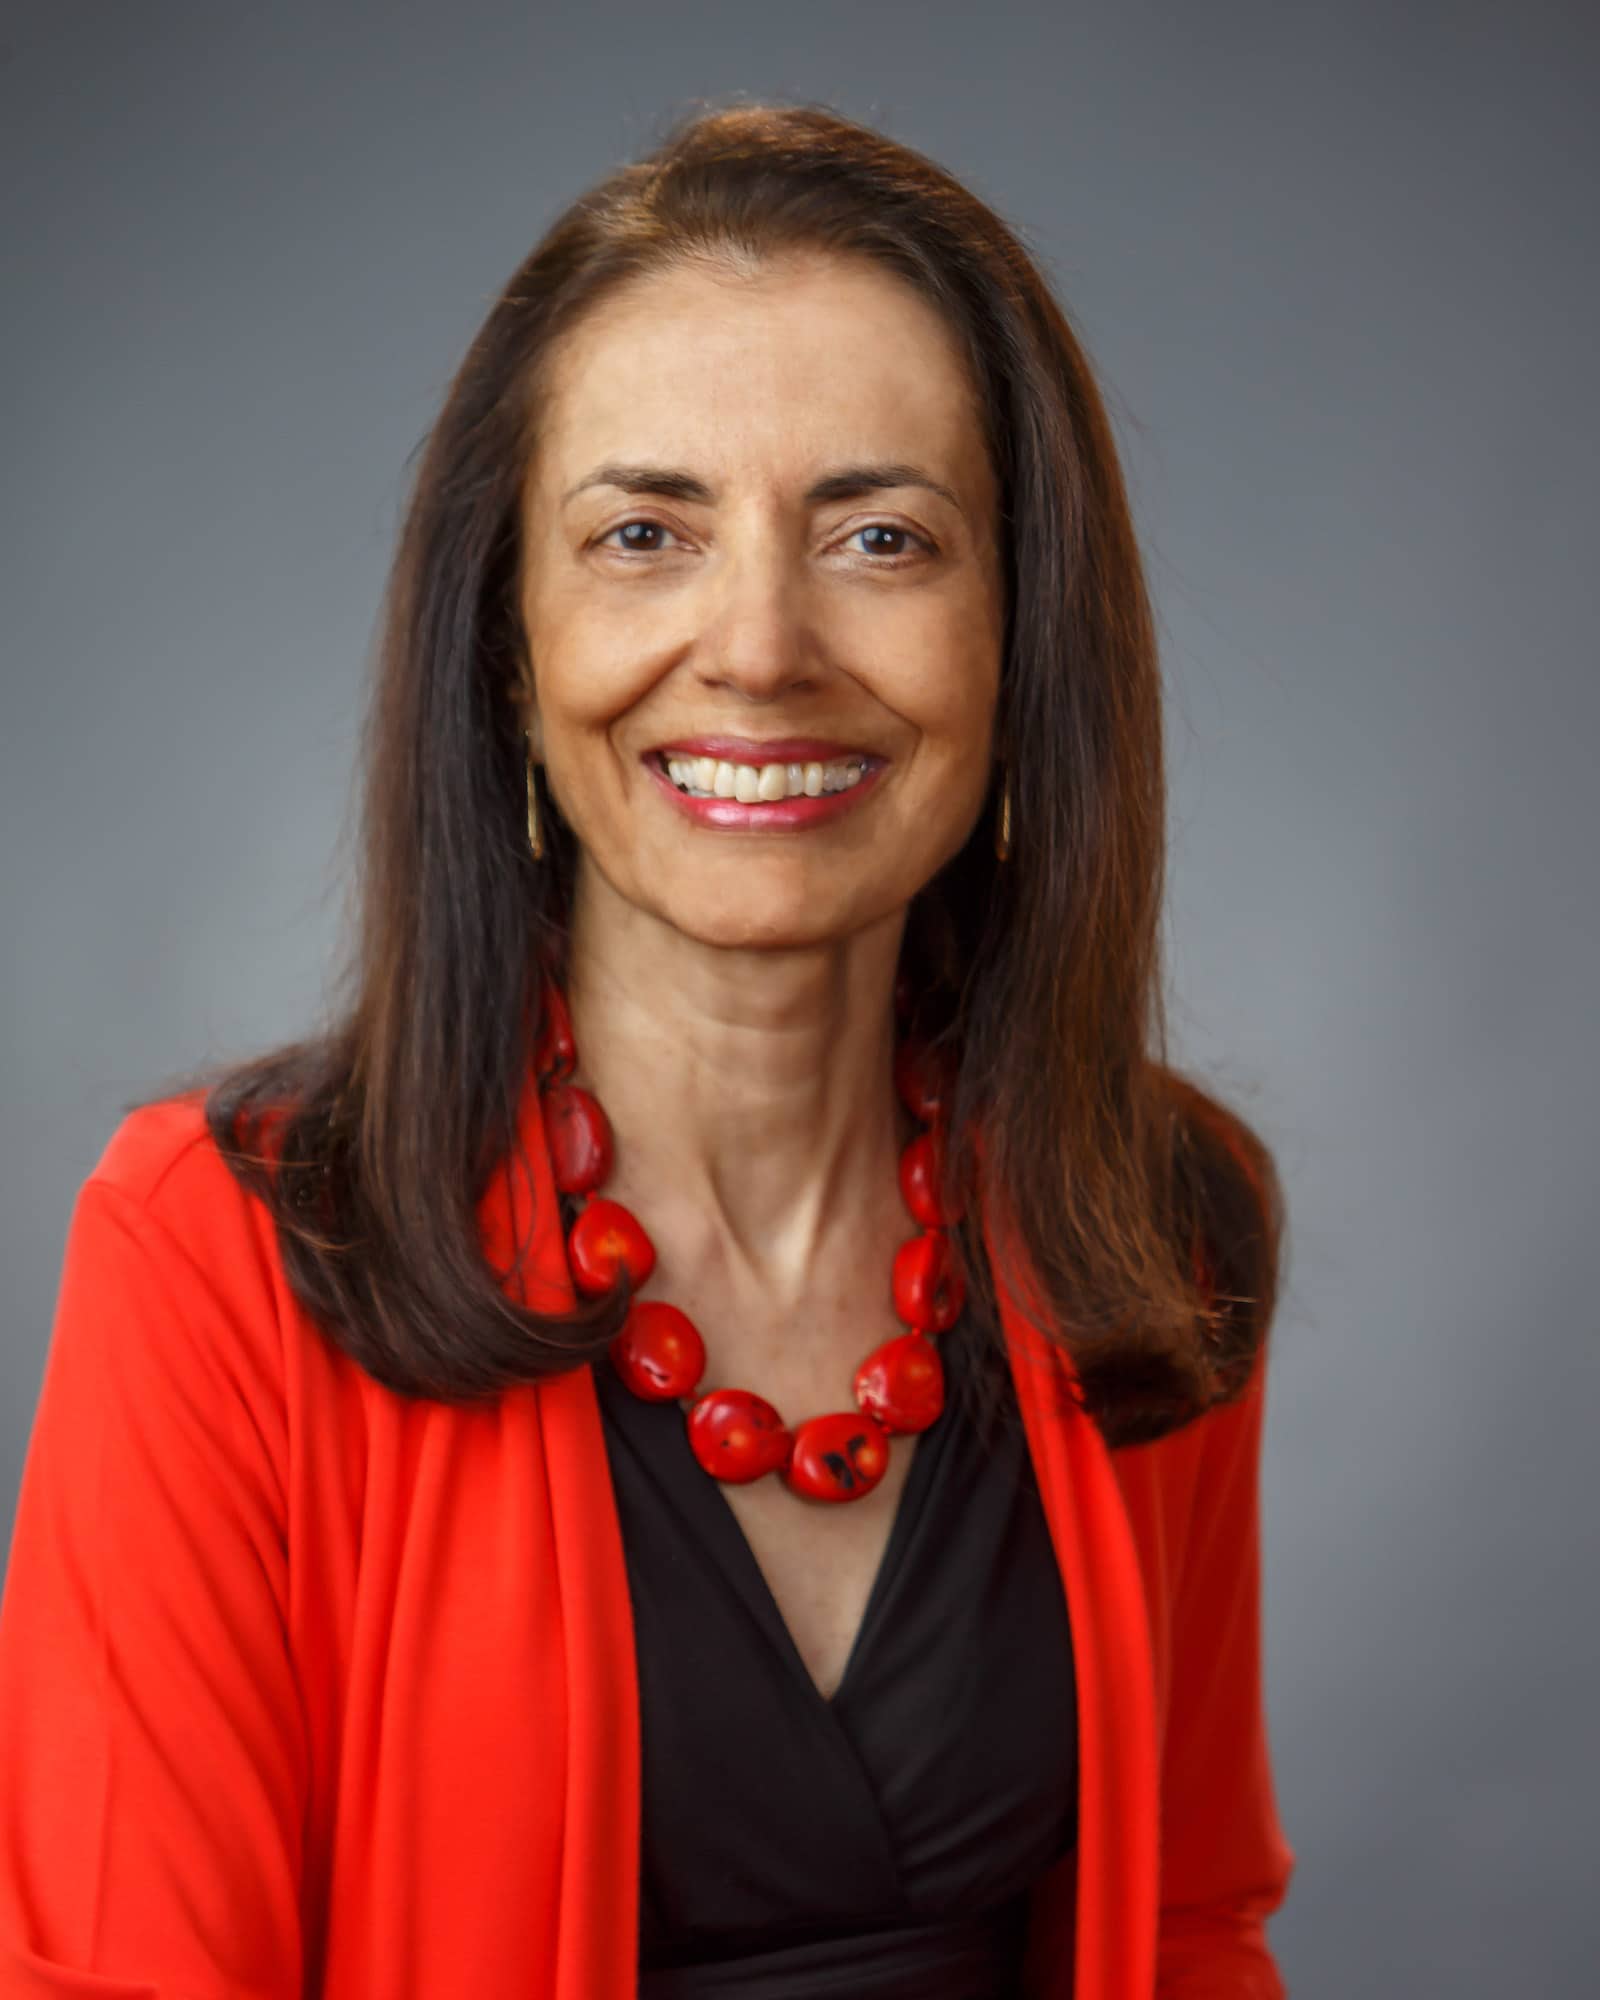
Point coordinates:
[[918, 1773], [820, 1561], [463, 1633]]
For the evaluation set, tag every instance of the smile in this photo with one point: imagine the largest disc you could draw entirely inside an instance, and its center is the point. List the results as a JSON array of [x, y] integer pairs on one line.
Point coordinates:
[[751, 793], [714, 778]]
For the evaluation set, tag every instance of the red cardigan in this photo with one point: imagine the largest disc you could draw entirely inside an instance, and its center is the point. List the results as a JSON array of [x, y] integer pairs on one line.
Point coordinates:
[[310, 1689]]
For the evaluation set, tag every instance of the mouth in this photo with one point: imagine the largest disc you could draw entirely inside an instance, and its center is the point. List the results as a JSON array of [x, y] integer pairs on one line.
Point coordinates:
[[778, 784], [764, 777]]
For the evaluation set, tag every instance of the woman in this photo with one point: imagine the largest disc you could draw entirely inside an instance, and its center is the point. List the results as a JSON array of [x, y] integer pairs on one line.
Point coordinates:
[[702, 1438]]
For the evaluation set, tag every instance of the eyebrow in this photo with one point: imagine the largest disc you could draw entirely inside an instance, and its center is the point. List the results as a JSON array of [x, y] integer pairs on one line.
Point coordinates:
[[847, 482]]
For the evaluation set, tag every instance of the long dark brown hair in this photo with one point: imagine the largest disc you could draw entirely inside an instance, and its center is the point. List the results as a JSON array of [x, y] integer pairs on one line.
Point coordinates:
[[373, 1139]]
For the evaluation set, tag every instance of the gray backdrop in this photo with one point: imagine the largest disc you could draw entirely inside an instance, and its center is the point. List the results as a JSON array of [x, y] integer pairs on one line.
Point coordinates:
[[1336, 265]]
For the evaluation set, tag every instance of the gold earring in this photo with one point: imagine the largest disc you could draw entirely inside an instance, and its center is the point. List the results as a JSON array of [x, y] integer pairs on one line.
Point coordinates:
[[535, 832], [1002, 832]]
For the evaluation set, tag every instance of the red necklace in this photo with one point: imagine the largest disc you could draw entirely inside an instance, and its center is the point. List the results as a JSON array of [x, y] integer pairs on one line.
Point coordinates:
[[736, 1435]]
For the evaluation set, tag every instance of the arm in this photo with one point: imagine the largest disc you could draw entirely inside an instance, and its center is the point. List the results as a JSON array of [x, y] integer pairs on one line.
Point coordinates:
[[1225, 1863], [152, 1761]]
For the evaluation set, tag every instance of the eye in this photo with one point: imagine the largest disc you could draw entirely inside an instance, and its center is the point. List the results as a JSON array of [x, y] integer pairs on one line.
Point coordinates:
[[891, 557], [632, 546], [635, 540]]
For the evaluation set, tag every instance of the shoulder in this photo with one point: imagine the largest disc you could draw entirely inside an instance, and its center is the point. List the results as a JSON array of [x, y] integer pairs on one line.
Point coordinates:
[[1236, 1195], [169, 1257], [1230, 1188], [1231, 1204], [153, 1143], [1225, 1147], [1197, 1488], [162, 1165]]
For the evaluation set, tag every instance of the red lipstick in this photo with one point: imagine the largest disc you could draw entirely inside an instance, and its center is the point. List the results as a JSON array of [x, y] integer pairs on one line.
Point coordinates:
[[763, 750], [762, 816]]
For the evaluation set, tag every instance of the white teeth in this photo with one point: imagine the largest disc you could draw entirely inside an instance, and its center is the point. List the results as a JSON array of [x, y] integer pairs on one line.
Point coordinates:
[[710, 777]]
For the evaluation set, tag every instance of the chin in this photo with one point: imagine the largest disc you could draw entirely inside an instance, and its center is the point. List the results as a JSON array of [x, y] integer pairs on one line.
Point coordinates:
[[773, 923]]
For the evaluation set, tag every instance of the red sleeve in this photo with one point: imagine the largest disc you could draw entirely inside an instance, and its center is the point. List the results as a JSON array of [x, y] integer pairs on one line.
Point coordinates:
[[1225, 1863], [152, 1759]]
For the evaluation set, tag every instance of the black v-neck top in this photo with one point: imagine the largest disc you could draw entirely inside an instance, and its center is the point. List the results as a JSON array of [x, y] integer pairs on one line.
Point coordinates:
[[879, 1843]]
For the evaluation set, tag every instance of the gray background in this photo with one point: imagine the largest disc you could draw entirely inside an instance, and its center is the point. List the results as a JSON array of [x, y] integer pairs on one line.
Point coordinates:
[[1336, 266]]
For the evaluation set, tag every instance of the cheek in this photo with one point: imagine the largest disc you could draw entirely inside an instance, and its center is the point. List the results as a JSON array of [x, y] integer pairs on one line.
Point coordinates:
[[587, 677], [946, 686], [592, 659]]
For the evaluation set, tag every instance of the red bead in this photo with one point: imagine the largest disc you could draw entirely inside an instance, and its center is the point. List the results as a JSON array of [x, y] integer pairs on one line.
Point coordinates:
[[604, 1239], [738, 1436], [928, 1291], [921, 1170], [902, 1383], [841, 1456], [659, 1352], [555, 1054], [579, 1135], [924, 1080]]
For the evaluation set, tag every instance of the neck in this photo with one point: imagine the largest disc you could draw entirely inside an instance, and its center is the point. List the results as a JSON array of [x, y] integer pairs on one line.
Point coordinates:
[[750, 1090]]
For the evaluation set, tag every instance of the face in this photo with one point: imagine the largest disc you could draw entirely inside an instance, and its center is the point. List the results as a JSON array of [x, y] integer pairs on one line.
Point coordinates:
[[762, 592]]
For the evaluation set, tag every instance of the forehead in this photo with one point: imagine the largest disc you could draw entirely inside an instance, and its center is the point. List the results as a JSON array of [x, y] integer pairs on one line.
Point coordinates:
[[795, 359]]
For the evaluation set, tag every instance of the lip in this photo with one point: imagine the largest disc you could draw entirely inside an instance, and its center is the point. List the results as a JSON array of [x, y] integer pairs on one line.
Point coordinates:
[[761, 750], [774, 816]]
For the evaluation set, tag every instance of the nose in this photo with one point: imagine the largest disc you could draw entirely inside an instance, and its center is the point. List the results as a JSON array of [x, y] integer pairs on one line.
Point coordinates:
[[757, 641]]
